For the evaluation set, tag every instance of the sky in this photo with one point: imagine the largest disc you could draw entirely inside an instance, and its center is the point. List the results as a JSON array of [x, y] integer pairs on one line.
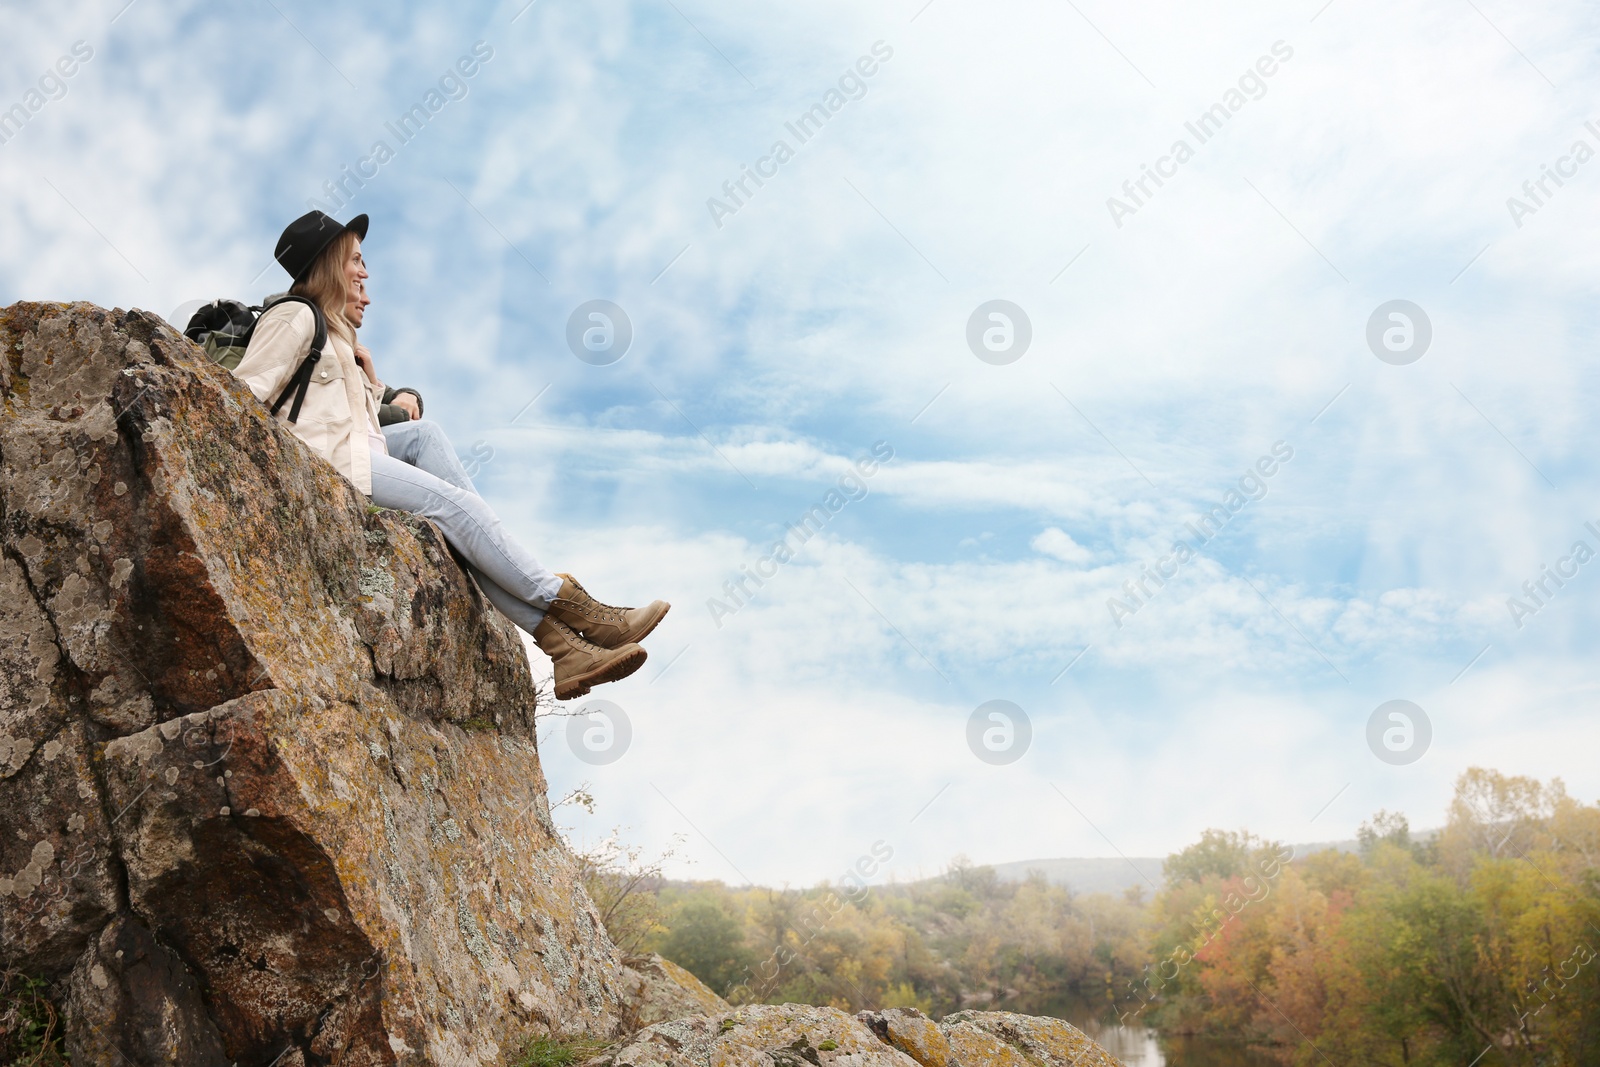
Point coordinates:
[[1186, 334]]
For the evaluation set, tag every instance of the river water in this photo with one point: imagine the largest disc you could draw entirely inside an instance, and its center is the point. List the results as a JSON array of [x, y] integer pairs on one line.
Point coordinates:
[[1139, 1046]]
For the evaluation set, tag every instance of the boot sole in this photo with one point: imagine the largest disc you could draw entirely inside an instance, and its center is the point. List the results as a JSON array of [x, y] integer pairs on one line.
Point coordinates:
[[614, 671]]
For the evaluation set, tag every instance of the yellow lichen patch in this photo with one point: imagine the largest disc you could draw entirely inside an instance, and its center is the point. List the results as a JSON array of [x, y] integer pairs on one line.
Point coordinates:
[[914, 1034], [972, 1046], [1043, 1040]]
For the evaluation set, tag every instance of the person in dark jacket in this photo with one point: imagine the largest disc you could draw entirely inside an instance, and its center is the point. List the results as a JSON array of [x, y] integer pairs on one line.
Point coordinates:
[[399, 405]]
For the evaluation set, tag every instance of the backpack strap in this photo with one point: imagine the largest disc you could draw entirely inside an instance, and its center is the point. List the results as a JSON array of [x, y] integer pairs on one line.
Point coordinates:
[[301, 381]]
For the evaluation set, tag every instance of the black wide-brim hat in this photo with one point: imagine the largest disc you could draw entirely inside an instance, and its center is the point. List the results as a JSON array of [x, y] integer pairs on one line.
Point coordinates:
[[304, 239]]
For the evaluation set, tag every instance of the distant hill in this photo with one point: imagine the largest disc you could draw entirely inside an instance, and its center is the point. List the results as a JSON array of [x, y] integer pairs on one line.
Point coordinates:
[[1114, 875]]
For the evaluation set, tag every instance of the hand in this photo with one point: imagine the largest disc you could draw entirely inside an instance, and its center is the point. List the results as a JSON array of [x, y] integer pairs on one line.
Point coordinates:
[[407, 402], [364, 361]]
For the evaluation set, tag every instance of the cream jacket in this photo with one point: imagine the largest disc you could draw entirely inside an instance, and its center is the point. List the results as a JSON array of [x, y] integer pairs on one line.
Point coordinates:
[[330, 417]]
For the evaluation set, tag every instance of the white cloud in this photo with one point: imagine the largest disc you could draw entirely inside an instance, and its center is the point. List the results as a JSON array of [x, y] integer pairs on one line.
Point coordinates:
[[829, 314], [1054, 542]]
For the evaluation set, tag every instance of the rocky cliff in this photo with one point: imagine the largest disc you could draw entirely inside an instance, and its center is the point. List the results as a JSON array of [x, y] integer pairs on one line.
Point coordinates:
[[269, 790], [267, 767]]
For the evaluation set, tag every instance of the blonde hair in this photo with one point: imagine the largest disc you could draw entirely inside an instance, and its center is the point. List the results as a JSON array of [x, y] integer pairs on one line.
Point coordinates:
[[326, 283]]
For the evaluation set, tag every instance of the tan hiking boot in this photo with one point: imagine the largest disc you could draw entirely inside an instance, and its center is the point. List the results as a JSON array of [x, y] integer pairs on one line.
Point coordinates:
[[581, 665], [603, 624]]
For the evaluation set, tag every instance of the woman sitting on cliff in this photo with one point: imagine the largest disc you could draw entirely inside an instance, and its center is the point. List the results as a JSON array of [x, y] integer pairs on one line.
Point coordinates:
[[416, 469]]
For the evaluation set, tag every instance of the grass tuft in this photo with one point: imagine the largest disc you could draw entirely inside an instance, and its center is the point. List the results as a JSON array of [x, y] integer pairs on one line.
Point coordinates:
[[556, 1051]]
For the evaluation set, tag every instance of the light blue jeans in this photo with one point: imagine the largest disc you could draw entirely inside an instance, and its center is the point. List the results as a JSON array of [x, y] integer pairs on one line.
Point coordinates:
[[422, 475]]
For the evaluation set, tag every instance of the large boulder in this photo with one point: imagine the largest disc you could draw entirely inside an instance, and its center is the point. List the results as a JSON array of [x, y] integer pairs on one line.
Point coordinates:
[[267, 760], [1002, 1037], [795, 1035], [759, 1035], [659, 990]]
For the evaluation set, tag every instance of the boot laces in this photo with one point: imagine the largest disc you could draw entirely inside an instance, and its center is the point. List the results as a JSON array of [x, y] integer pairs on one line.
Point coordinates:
[[575, 639], [593, 608], [586, 644]]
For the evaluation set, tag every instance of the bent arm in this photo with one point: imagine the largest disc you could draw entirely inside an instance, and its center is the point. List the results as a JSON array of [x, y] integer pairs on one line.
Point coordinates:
[[390, 412], [278, 346]]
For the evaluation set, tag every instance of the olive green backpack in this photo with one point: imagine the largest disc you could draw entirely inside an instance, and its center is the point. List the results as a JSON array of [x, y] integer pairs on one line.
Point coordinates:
[[223, 329]]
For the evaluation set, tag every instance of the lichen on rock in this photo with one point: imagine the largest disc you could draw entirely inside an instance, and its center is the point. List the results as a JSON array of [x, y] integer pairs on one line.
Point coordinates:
[[796, 1035], [658, 990]]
